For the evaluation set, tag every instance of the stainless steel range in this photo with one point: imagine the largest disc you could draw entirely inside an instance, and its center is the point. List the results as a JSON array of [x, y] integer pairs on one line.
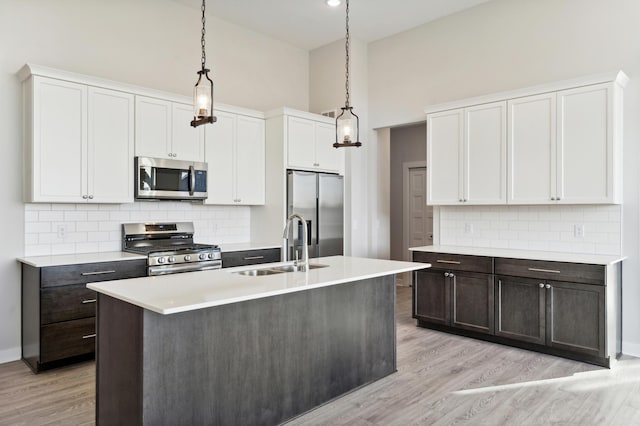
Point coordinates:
[[169, 247]]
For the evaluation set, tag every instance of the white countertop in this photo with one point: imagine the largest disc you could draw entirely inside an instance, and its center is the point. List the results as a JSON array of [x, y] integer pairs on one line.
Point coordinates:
[[229, 247], [594, 259], [72, 259], [175, 293]]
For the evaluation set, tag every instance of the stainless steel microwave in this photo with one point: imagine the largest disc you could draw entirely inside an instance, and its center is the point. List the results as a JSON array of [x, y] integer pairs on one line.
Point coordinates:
[[167, 179]]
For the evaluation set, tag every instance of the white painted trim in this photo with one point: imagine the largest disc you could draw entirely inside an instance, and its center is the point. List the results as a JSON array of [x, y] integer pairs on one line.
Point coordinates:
[[406, 165], [632, 349], [29, 70], [10, 355], [300, 114], [619, 77]]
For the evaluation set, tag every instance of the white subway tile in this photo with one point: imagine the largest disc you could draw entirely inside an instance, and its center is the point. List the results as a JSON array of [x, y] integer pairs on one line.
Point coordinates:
[[37, 206], [109, 246], [38, 250], [37, 227], [51, 216], [87, 247], [108, 226], [97, 216], [87, 207], [31, 216], [87, 226], [30, 239], [63, 207], [66, 248], [97, 236], [75, 216]]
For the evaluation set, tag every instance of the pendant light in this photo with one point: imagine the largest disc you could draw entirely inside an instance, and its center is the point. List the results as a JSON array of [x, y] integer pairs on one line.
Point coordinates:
[[203, 91], [347, 123]]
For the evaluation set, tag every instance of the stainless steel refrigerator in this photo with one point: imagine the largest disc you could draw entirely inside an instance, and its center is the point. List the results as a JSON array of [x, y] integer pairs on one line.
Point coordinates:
[[319, 199]]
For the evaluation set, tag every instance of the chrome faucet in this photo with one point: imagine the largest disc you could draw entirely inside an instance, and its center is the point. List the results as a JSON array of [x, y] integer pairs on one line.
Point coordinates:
[[301, 264]]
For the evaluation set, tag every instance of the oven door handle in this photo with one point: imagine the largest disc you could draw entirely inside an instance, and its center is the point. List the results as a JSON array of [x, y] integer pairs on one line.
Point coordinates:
[[197, 266], [192, 180]]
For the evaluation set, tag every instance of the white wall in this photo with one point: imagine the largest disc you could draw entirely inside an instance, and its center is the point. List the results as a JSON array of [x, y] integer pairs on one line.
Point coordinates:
[[509, 44], [152, 43]]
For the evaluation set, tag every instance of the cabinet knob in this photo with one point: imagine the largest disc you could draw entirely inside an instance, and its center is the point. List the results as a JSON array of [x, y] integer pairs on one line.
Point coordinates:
[[446, 274], [541, 285], [84, 197], [452, 275], [460, 199], [91, 197], [548, 286]]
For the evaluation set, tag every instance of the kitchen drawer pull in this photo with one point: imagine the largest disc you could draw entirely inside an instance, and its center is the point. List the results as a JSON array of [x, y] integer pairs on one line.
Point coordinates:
[[98, 273], [90, 301], [551, 271], [89, 336], [452, 262], [253, 257]]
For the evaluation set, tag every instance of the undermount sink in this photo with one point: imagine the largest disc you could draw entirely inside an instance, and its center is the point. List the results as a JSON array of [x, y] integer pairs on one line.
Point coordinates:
[[276, 270]]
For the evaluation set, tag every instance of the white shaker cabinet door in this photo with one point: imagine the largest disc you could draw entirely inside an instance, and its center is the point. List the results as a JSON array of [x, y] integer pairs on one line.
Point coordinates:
[[301, 143], [532, 149], [327, 157], [445, 132], [485, 154], [59, 146], [585, 145], [110, 146], [220, 141], [250, 161], [187, 142], [153, 127]]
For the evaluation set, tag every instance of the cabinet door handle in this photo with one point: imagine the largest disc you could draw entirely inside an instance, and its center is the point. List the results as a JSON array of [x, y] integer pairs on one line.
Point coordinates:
[[253, 257], [541, 285], [452, 262], [89, 336], [551, 271], [89, 301], [98, 273], [548, 286]]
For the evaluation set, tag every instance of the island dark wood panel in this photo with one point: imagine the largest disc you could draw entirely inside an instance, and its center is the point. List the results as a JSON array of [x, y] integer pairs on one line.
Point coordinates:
[[258, 362]]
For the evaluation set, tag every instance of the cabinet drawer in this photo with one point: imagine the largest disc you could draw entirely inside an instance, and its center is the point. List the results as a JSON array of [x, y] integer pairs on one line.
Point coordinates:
[[558, 271], [455, 262], [250, 257], [92, 272], [66, 303], [67, 339]]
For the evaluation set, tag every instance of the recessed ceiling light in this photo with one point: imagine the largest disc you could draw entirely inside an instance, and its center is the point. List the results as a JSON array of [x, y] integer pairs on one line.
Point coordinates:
[[333, 3]]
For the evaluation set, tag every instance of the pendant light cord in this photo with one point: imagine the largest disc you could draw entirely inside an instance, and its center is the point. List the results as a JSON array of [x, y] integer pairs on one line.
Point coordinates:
[[346, 47], [204, 55]]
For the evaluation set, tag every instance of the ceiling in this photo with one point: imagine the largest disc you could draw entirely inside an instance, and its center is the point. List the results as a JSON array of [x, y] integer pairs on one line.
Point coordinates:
[[309, 24]]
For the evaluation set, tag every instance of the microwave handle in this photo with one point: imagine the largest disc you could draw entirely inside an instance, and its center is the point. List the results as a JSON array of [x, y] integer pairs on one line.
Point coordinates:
[[192, 180]]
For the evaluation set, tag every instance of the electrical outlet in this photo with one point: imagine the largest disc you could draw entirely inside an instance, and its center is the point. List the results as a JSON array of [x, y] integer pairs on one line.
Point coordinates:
[[468, 228], [62, 231], [578, 231]]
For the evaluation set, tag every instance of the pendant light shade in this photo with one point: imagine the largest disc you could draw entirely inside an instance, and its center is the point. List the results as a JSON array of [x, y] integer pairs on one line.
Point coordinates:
[[347, 122], [203, 91]]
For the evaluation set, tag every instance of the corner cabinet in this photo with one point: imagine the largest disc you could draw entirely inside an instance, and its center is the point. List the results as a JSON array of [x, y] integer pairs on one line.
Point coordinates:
[[235, 153], [466, 155], [563, 145], [79, 142], [163, 130]]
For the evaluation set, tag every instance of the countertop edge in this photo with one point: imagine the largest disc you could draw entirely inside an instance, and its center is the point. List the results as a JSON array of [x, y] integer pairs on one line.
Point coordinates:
[[79, 258], [585, 258]]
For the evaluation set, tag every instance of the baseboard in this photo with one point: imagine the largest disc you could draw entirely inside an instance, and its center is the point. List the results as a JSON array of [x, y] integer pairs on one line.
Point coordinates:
[[632, 349], [9, 355]]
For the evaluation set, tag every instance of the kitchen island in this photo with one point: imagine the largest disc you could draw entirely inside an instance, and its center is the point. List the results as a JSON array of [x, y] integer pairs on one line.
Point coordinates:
[[219, 347]]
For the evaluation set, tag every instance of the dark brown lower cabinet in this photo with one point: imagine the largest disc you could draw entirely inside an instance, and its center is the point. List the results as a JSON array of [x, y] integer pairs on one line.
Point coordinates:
[[561, 315], [566, 309], [458, 299]]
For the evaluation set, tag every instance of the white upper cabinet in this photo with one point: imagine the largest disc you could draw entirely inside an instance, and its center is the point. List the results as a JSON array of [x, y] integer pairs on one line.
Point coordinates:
[[466, 155], [163, 130], [79, 143], [445, 134], [555, 144], [586, 148], [235, 153], [532, 149], [310, 146]]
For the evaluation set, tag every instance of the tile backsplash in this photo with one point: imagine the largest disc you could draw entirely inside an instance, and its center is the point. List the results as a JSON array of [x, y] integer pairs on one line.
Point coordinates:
[[562, 228], [86, 228]]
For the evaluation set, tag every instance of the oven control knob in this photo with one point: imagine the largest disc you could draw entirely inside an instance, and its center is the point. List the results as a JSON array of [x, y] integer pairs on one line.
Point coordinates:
[[203, 256], [172, 259], [161, 260], [210, 255], [187, 258]]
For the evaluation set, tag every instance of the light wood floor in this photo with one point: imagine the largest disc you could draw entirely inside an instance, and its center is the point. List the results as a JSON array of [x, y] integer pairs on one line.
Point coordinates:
[[442, 379]]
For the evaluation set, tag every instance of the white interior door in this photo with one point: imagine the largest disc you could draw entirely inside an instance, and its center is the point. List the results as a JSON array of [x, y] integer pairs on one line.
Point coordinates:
[[418, 216]]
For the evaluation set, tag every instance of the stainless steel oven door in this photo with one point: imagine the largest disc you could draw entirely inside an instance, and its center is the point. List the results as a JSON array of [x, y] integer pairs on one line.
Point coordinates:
[[185, 267]]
